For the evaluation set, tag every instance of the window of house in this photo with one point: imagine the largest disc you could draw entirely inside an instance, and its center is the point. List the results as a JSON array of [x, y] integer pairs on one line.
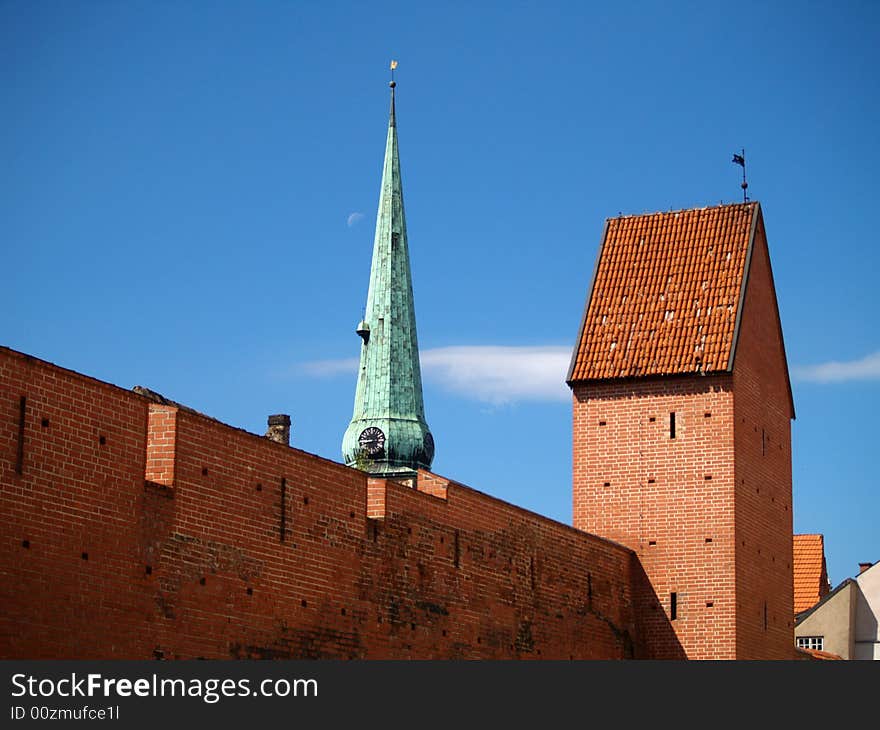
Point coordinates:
[[811, 642]]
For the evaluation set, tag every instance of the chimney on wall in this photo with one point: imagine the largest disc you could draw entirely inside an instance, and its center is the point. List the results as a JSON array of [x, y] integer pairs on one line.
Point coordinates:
[[863, 567], [279, 429]]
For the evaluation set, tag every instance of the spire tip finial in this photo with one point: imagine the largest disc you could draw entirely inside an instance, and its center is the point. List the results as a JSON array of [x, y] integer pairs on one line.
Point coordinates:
[[393, 66]]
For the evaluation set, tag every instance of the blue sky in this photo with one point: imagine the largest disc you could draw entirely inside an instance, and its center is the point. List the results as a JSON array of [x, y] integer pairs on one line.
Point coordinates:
[[189, 192]]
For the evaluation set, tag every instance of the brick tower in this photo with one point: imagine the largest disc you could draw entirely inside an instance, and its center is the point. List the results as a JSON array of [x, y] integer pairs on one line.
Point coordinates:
[[682, 428]]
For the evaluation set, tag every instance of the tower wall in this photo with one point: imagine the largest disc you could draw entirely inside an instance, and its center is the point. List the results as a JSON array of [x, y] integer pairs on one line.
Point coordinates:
[[669, 499], [762, 414]]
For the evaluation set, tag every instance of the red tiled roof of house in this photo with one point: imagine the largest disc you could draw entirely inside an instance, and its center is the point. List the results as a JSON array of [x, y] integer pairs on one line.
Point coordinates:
[[666, 294], [822, 655], [810, 575]]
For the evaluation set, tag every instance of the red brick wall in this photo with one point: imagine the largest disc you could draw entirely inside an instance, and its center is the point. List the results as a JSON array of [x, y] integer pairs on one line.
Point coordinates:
[[670, 500], [247, 548], [763, 472]]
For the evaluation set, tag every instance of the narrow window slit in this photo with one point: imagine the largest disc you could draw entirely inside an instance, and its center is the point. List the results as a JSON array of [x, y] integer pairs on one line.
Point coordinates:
[[673, 606], [672, 425], [283, 525], [19, 456]]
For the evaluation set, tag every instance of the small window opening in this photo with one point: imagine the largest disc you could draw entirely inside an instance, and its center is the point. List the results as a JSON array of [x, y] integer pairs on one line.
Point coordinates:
[[673, 606], [672, 425], [765, 615]]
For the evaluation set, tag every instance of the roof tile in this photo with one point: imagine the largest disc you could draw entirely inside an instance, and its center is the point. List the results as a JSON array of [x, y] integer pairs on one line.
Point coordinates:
[[810, 576]]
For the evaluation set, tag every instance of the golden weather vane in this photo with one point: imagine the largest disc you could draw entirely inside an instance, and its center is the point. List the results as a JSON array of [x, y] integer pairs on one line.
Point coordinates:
[[393, 66]]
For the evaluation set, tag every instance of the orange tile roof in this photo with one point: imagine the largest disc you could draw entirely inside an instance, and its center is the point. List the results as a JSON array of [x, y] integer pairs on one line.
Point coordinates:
[[666, 294], [823, 655], [810, 575]]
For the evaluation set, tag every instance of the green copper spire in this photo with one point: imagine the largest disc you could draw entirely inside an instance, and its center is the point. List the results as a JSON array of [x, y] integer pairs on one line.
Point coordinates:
[[388, 434]]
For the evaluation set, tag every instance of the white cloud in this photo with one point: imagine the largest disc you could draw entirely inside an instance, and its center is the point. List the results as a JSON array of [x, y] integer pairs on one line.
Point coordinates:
[[866, 368], [499, 375], [354, 218], [491, 374]]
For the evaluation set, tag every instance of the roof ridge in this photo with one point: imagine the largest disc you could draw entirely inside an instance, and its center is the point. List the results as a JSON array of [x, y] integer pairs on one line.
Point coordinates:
[[647, 214]]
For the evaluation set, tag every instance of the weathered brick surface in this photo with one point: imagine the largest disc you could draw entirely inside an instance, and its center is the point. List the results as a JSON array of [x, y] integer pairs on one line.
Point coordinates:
[[246, 548]]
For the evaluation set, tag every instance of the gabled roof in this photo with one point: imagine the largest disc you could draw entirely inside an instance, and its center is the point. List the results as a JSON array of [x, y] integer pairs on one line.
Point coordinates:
[[667, 294], [810, 575]]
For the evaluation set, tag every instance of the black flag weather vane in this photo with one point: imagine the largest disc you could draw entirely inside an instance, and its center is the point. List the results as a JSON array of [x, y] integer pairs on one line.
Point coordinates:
[[741, 161]]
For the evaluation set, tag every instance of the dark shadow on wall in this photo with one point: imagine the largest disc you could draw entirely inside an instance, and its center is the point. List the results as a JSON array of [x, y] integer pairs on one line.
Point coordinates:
[[656, 636]]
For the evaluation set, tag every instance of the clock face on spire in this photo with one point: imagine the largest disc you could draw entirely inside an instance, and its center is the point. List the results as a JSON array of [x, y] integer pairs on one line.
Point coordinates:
[[372, 441], [429, 447]]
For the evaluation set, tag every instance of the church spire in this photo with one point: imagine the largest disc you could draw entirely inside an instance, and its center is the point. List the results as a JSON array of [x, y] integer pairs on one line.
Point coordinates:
[[388, 434]]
